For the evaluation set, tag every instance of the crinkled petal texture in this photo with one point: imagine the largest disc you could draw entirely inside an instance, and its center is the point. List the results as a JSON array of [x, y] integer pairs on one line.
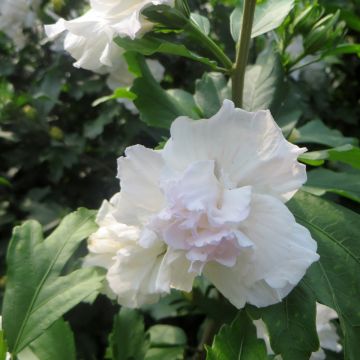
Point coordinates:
[[211, 202], [90, 37]]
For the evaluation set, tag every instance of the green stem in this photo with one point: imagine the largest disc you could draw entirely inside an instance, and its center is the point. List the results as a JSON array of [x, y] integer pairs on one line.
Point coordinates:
[[211, 45], [242, 53]]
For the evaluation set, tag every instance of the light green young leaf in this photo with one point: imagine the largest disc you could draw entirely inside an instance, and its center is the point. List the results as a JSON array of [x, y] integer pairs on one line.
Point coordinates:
[[238, 341], [291, 324], [56, 343], [202, 22], [210, 92], [269, 14], [128, 339], [37, 293], [347, 154], [262, 81], [317, 132], [321, 181], [335, 278]]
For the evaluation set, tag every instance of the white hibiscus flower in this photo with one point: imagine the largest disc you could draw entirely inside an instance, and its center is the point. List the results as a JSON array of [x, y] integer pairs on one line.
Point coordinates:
[[328, 337], [15, 15], [211, 202], [90, 37]]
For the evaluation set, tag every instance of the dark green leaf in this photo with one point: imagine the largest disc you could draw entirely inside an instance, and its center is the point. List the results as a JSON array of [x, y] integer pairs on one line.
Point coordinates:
[[335, 278], [211, 90], [237, 341], [36, 295], [317, 132], [159, 107], [149, 45], [291, 325], [128, 339], [321, 181]]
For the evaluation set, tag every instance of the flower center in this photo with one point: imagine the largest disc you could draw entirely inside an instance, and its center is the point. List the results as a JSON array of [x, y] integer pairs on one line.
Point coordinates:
[[202, 217]]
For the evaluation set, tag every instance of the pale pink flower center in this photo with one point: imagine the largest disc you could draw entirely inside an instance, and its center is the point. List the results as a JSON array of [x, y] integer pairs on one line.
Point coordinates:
[[202, 218]]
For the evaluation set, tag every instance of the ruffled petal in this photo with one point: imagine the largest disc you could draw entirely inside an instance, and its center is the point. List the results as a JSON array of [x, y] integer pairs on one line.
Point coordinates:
[[282, 252], [139, 174], [248, 148]]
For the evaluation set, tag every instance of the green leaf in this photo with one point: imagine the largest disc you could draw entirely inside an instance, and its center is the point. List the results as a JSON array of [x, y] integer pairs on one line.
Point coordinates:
[[37, 293], [128, 339], [56, 343], [335, 278], [269, 14], [158, 107], [166, 335], [237, 341], [3, 346], [4, 182], [343, 49], [291, 324], [120, 93], [317, 132], [346, 154], [173, 353], [202, 22], [149, 45], [321, 181], [210, 92], [167, 342], [261, 81]]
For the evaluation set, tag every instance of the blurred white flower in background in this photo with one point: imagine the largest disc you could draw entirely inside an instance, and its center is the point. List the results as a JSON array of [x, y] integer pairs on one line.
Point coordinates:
[[211, 202], [328, 337], [89, 38], [16, 15]]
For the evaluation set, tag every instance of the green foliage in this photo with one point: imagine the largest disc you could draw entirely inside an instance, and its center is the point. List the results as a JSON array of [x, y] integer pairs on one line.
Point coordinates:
[[345, 184], [262, 81], [56, 343], [60, 135], [334, 279], [210, 92], [128, 339], [291, 324], [269, 14], [32, 307], [158, 107], [238, 341]]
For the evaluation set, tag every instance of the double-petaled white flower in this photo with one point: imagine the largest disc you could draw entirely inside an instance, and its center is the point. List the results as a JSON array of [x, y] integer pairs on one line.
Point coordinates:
[[89, 38], [15, 15], [328, 337], [212, 203]]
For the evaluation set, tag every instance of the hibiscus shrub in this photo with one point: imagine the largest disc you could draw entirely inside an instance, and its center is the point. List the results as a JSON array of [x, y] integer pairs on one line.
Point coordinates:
[[230, 226]]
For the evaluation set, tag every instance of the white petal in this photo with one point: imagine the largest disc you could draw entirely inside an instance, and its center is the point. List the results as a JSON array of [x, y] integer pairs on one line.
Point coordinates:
[[174, 272], [139, 174], [133, 277], [248, 147], [283, 250]]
